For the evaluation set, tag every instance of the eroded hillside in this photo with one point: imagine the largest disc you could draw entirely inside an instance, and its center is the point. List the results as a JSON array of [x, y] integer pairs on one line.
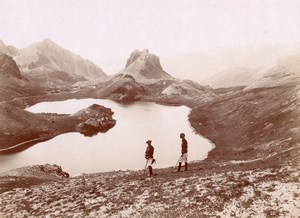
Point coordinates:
[[259, 123]]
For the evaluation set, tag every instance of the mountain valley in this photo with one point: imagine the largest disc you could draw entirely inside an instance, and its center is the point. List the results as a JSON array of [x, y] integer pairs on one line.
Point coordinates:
[[252, 171]]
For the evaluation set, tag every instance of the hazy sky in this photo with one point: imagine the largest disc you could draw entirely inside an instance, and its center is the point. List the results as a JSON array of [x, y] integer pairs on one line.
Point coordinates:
[[103, 30]]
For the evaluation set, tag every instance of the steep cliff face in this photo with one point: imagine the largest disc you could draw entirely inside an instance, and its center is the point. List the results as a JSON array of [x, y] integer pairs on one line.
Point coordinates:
[[7, 49], [15, 85], [12, 83], [49, 55], [8, 67], [143, 66]]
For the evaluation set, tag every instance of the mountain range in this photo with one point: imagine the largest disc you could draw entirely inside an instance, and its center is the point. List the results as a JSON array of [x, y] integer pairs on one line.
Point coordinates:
[[238, 66], [47, 66], [47, 57], [205, 66]]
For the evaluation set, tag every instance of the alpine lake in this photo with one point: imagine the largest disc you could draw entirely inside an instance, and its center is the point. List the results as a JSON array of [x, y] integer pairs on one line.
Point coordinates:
[[120, 148]]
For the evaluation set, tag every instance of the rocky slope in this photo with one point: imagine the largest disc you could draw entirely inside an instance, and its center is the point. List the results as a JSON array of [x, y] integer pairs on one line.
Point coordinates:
[[283, 71], [144, 66], [7, 49], [9, 68], [187, 89], [47, 55], [125, 88], [258, 123], [208, 189], [13, 84], [238, 76], [52, 79], [122, 88]]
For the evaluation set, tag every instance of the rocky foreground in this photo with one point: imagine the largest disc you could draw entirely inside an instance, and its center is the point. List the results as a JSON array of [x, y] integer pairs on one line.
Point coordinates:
[[208, 189]]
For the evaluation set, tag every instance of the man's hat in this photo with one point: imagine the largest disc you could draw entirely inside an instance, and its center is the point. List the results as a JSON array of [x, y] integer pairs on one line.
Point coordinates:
[[148, 142]]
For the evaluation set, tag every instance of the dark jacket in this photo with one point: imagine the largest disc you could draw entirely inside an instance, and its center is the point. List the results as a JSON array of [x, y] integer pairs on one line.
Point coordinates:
[[149, 152], [184, 146]]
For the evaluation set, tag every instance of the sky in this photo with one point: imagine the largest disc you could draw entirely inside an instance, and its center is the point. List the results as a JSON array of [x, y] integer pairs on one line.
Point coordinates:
[[109, 30]]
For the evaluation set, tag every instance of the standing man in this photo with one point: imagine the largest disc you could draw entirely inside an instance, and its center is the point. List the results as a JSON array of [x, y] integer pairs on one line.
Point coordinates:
[[149, 156], [184, 150]]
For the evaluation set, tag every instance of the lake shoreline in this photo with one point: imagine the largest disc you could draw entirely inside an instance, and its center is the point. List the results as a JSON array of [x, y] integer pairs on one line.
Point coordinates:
[[23, 145], [167, 144], [61, 129], [50, 125]]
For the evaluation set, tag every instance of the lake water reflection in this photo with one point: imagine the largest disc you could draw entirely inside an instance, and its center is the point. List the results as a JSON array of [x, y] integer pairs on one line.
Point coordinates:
[[122, 147]]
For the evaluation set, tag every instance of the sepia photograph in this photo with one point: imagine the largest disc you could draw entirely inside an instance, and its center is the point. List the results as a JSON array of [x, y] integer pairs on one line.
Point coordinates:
[[161, 109]]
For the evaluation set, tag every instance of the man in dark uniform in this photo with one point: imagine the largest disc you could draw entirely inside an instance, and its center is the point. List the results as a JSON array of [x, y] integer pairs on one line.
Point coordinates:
[[149, 156], [184, 151]]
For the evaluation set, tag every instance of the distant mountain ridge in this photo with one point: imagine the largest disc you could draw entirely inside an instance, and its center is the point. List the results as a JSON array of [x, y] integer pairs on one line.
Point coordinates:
[[272, 74], [283, 71], [201, 65], [238, 76], [49, 55]]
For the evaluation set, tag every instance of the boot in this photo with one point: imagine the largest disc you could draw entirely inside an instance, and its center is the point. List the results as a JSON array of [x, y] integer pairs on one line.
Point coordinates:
[[186, 166], [179, 166], [150, 171]]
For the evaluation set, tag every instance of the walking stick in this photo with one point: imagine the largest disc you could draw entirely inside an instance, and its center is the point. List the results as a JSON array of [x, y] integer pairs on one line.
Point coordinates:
[[177, 162]]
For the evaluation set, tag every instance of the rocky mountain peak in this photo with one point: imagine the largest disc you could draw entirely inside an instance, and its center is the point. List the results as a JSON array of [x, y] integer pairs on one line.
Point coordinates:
[[137, 54], [8, 67], [143, 56], [48, 43], [144, 65]]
